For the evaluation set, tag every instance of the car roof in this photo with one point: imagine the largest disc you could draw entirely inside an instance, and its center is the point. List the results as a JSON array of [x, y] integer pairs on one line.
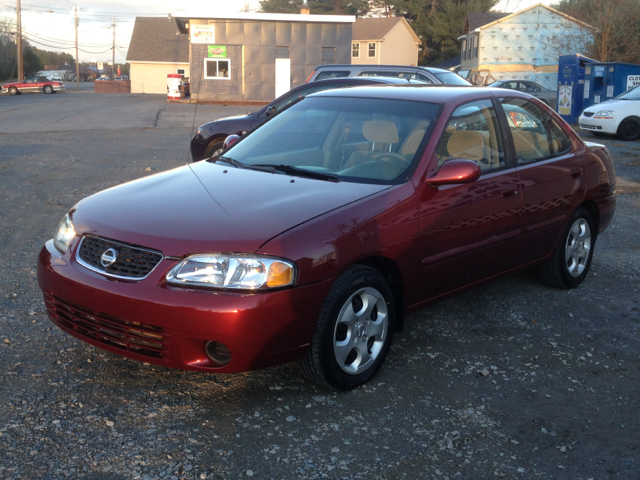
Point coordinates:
[[416, 92], [381, 67], [356, 80]]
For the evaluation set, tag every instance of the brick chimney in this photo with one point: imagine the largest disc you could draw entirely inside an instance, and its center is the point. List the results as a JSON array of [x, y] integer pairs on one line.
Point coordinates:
[[304, 8]]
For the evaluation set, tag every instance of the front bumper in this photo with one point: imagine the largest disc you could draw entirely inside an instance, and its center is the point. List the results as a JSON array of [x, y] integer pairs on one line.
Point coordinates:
[[592, 124], [154, 322]]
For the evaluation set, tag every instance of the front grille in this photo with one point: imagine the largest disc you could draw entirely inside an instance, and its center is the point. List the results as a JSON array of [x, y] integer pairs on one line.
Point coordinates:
[[588, 114], [133, 337], [588, 127], [132, 263]]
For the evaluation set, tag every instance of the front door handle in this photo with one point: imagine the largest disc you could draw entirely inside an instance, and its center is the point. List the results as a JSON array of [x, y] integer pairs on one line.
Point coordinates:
[[576, 172], [509, 191]]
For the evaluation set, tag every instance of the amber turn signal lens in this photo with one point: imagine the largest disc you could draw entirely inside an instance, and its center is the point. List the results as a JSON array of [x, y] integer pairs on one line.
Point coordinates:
[[280, 274]]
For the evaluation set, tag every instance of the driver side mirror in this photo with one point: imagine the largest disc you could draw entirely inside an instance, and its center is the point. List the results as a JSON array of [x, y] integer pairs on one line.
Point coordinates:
[[455, 171], [270, 111]]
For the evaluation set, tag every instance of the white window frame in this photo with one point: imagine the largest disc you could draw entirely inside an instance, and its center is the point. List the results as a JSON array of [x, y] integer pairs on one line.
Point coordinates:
[[375, 50], [228, 77], [355, 50]]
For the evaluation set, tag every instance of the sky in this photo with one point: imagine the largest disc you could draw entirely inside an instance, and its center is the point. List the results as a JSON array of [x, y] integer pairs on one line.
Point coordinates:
[[49, 24]]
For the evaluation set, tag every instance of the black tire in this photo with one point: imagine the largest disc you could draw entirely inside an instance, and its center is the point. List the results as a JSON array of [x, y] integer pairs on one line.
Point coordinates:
[[629, 129], [47, 89], [13, 91], [572, 258], [214, 148], [359, 311]]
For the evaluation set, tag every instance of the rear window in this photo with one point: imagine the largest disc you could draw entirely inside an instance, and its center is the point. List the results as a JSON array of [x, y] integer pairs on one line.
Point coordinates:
[[332, 74], [450, 78]]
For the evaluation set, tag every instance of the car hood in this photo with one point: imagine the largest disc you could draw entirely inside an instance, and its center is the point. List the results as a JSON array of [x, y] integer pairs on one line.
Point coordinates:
[[227, 119], [616, 105], [207, 207]]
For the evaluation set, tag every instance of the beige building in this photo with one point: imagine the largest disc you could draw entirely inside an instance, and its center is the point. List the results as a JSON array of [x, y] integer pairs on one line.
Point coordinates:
[[157, 49], [384, 41]]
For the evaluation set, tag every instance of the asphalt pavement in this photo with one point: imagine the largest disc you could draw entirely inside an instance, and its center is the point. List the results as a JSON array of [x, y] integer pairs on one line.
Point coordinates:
[[509, 380]]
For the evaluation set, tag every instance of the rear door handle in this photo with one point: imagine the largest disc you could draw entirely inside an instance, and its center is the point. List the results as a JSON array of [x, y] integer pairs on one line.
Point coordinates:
[[576, 172], [509, 191]]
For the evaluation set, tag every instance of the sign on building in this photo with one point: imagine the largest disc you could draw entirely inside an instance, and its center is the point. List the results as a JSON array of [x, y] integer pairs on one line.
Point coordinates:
[[202, 33], [633, 81]]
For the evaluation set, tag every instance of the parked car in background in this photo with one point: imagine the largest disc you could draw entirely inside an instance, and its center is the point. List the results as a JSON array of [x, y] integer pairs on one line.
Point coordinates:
[[317, 231], [534, 89], [424, 74], [619, 116], [33, 84], [209, 138]]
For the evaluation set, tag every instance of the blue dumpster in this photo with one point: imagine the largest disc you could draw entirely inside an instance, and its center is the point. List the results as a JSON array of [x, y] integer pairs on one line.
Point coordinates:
[[604, 81], [571, 73]]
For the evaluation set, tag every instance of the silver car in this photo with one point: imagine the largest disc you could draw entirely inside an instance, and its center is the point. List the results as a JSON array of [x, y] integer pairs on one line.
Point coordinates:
[[545, 94]]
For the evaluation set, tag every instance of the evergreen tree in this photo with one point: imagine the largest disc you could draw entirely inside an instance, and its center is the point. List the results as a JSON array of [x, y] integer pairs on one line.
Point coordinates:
[[31, 62]]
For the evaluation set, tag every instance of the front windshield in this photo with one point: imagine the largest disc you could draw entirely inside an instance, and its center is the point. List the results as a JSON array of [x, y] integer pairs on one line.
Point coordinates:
[[632, 94], [450, 78], [360, 140]]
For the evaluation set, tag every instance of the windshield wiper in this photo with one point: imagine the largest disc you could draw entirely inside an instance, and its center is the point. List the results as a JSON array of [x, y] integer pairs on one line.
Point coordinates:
[[228, 160], [298, 172]]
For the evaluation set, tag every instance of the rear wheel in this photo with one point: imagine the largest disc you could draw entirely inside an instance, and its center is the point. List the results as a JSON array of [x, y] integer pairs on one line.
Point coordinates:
[[354, 331], [571, 261], [48, 89], [629, 129], [13, 91]]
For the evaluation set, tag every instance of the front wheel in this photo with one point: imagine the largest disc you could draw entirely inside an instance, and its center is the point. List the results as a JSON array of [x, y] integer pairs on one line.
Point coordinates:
[[13, 91], [571, 261], [629, 129], [354, 331], [48, 89], [214, 148]]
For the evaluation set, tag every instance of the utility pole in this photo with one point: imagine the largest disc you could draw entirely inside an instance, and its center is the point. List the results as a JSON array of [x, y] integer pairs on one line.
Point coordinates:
[[19, 40], [113, 54], [77, 59]]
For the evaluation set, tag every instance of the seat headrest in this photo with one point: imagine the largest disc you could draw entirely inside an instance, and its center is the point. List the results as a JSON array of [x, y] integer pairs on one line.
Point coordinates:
[[467, 144], [381, 131]]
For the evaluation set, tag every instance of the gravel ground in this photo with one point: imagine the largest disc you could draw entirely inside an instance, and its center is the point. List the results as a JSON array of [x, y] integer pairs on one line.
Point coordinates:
[[512, 379]]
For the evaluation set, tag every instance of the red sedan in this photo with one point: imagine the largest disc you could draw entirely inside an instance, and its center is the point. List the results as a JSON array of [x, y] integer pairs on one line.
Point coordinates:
[[32, 84], [312, 236]]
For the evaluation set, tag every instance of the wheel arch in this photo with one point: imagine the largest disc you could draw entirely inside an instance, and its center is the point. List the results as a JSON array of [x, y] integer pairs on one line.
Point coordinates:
[[391, 272], [593, 209]]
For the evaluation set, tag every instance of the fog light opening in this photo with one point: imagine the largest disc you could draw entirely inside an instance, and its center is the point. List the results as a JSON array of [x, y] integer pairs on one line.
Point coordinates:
[[218, 353]]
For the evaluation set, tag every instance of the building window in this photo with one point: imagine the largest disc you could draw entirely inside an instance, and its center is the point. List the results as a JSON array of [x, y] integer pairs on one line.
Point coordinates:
[[355, 50], [180, 71], [464, 49], [218, 68], [372, 50], [475, 46], [328, 55]]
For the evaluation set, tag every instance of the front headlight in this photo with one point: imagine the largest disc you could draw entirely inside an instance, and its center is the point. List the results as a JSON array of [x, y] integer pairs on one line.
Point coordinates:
[[64, 234], [605, 114], [238, 272]]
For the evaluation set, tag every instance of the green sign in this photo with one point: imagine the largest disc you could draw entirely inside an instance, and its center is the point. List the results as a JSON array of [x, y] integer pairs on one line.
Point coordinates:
[[217, 51]]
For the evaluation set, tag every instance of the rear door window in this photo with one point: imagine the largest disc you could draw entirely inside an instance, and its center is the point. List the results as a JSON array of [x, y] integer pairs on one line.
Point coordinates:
[[528, 130]]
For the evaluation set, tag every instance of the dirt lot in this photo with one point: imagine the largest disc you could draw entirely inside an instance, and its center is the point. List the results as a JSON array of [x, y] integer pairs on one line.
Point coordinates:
[[512, 379]]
